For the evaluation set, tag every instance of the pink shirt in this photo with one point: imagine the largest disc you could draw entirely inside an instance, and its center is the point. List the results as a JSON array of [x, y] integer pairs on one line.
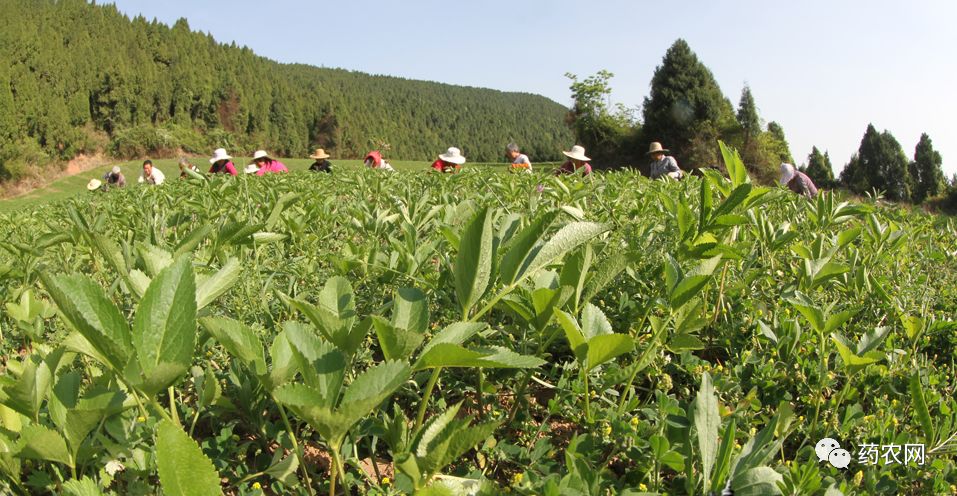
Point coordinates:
[[272, 167]]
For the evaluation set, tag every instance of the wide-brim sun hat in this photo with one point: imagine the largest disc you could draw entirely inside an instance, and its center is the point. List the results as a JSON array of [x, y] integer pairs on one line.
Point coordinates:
[[453, 156], [94, 184], [320, 154], [219, 154], [656, 147], [260, 154], [251, 168], [787, 173], [116, 169], [577, 152]]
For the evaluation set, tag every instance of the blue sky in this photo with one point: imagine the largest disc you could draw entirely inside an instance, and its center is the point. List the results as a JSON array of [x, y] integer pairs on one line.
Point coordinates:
[[822, 69]]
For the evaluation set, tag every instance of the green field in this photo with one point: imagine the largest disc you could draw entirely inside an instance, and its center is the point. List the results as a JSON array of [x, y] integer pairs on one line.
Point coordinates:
[[480, 333]]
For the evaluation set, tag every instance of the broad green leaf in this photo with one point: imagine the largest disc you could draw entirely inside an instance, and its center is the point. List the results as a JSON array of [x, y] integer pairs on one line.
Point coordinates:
[[473, 263], [523, 248], [735, 167], [693, 281], [813, 314], [335, 315], [81, 487], [575, 272], [576, 340], [564, 241], [606, 347], [872, 339], [594, 322], [738, 195], [184, 470], [920, 409], [410, 310], [27, 394], [282, 367], [707, 421], [322, 365], [165, 326], [139, 282], [264, 238], [605, 273], [685, 342], [852, 361], [374, 385], [42, 443], [758, 481], [154, 258], [723, 461], [284, 469], [193, 239], [454, 355], [455, 333], [111, 253], [88, 310], [239, 340], [396, 343], [214, 286]]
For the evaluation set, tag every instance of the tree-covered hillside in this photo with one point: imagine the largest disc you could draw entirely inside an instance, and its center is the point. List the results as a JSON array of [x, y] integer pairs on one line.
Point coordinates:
[[78, 77]]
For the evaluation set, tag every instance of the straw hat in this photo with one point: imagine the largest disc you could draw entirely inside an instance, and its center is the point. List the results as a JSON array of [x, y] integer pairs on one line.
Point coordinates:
[[260, 154], [578, 153], [94, 184], [453, 156], [251, 168], [320, 154], [656, 148], [787, 173], [219, 154], [116, 169]]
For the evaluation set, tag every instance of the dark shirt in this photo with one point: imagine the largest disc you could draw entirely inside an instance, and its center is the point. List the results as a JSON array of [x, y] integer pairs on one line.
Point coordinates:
[[321, 166], [115, 180]]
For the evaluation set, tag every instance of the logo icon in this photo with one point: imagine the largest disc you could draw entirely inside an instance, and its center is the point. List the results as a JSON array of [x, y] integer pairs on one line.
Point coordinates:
[[830, 450]]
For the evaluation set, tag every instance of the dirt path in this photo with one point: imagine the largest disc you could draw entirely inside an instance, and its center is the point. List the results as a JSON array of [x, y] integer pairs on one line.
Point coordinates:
[[78, 165]]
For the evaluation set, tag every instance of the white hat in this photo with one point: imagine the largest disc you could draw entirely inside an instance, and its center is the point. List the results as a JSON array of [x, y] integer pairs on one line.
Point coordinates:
[[116, 169], [453, 156], [219, 154], [577, 153], [787, 173], [93, 185], [260, 154], [251, 168]]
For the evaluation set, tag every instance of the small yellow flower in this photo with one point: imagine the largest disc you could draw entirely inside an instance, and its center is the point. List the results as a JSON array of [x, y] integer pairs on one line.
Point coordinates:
[[518, 478], [386, 481], [754, 431], [858, 477], [894, 402], [257, 486], [593, 394], [606, 430], [953, 489], [209, 354], [760, 313], [895, 421], [634, 421], [141, 419], [642, 487], [831, 376]]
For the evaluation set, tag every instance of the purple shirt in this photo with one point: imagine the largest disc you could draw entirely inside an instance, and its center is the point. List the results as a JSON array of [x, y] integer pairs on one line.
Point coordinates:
[[569, 168], [802, 185], [272, 167]]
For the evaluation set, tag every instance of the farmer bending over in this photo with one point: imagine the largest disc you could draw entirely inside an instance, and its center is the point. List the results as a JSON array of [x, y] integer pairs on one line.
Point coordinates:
[[322, 163], [577, 162], [150, 174], [267, 164], [797, 181], [520, 161], [114, 178], [662, 165], [449, 162], [221, 163], [375, 161]]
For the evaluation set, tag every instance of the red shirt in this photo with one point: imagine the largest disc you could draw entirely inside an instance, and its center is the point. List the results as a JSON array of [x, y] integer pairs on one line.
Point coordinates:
[[569, 168], [443, 166], [228, 168]]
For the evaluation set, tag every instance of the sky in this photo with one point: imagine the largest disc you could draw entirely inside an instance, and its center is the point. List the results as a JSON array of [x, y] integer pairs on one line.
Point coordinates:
[[823, 70]]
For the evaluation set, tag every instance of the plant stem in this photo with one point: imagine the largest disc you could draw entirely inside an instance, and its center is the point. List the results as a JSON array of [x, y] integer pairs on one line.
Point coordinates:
[[518, 397], [425, 397], [172, 406], [652, 344], [297, 447], [587, 397], [479, 398]]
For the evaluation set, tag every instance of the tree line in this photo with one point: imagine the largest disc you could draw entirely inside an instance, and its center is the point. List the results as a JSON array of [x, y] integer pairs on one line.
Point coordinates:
[[79, 78], [687, 112]]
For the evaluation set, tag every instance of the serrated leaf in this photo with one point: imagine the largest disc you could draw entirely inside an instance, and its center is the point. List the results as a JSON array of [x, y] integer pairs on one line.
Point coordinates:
[[594, 322], [216, 285], [693, 281], [184, 470], [396, 344], [454, 355], [758, 481], [154, 258], [707, 421], [82, 487], [193, 239], [520, 252], [455, 333], [852, 361], [573, 333], [42, 443], [606, 347], [564, 241], [239, 340], [685, 342], [473, 263]]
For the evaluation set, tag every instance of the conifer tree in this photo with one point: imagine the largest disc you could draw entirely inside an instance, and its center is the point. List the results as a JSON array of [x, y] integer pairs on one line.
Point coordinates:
[[926, 171], [819, 168]]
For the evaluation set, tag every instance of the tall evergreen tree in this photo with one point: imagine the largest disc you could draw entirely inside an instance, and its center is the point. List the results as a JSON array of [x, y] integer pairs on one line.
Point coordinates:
[[686, 110], [819, 168], [778, 144], [748, 116], [926, 171], [879, 164]]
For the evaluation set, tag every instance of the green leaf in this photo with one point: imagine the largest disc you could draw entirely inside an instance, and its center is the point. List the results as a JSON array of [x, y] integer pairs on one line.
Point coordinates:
[[322, 365], [214, 286], [396, 343], [707, 421], [521, 250], [239, 340], [88, 310], [606, 347], [165, 326], [184, 470], [154, 258], [455, 333], [575, 272], [735, 167], [758, 481], [852, 361], [82, 487], [283, 361], [454, 355], [685, 342], [410, 310], [473, 263], [26, 395], [42, 443], [737, 196], [813, 314], [693, 281], [723, 461], [594, 322], [564, 241], [920, 409], [335, 315], [605, 274], [193, 239], [573, 333]]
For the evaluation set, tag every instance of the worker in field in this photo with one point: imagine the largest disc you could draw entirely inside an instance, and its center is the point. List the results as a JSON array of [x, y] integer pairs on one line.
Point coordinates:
[[375, 161], [185, 165], [114, 178], [267, 164], [222, 163], [577, 162], [449, 162], [797, 181], [520, 161], [321, 163], [150, 174], [662, 165]]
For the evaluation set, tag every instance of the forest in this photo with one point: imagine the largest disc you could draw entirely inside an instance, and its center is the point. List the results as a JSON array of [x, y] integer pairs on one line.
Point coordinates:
[[79, 78]]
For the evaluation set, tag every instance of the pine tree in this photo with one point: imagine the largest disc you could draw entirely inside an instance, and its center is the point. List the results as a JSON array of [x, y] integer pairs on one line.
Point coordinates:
[[686, 110], [926, 171], [819, 168], [879, 164], [779, 144], [748, 116]]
